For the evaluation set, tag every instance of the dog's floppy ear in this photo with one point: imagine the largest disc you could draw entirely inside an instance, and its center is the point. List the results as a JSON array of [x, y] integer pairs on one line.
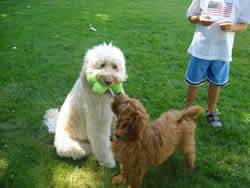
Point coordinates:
[[132, 129], [137, 125], [192, 112]]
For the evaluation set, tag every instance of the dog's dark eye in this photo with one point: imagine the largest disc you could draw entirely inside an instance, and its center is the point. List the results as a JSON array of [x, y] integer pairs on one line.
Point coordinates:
[[114, 66], [102, 65]]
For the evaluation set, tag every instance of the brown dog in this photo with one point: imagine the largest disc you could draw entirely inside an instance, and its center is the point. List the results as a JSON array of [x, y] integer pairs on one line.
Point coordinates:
[[138, 144]]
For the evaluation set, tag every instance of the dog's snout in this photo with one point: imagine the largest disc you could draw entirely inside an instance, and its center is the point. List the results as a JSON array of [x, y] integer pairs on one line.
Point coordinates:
[[108, 82]]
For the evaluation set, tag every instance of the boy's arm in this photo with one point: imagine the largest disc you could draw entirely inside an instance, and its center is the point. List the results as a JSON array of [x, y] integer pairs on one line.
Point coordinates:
[[194, 19], [239, 27], [203, 20], [228, 26], [225, 25]]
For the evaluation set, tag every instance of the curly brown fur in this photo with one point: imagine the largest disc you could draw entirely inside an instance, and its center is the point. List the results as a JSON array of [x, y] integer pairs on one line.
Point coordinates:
[[139, 144]]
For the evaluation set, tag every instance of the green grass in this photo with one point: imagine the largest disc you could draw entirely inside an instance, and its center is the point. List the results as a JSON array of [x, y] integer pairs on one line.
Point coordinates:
[[41, 48]]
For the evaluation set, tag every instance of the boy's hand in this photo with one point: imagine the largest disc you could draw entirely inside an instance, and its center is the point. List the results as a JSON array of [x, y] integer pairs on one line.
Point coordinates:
[[226, 25], [205, 20]]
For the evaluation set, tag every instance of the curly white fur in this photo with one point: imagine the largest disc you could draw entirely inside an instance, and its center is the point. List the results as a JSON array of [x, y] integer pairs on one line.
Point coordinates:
[[83, 124]]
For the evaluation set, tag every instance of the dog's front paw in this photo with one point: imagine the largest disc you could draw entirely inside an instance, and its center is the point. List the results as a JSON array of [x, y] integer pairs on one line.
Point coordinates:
[[118, 179], [109, 164], [189, 170]]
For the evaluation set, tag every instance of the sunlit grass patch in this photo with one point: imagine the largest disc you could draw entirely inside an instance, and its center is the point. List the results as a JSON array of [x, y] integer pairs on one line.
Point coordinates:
[[3, 165], [76, 177], [86, 173], [246, 117], [3, 15], [103, 17]]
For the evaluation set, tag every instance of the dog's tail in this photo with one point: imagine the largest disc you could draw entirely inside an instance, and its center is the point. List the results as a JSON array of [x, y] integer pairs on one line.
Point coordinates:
[[192, 112], [50, 119]]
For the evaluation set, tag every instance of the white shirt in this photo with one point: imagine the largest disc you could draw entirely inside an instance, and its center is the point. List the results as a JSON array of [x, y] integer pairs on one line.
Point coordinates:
[[211, 43]]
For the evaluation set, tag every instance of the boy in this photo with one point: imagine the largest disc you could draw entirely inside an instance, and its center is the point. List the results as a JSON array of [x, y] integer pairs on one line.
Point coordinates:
[[211, 48]]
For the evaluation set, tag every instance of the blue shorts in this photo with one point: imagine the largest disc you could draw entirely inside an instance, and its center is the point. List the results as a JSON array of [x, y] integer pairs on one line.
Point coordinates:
[[213, 71]]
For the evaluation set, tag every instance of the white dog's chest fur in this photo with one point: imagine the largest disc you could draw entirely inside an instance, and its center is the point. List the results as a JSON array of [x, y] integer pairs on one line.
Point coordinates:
[[93, 109]]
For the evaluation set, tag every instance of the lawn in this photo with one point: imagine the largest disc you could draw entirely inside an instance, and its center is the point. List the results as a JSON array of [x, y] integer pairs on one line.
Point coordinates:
[[42, 44]]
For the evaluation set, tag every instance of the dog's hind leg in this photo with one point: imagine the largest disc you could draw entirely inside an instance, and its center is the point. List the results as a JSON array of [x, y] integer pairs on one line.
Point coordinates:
[[68, 147]]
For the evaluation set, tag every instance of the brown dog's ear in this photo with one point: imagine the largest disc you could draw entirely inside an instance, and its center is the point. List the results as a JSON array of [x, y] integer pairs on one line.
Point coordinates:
[[132, 130], [136, 125]]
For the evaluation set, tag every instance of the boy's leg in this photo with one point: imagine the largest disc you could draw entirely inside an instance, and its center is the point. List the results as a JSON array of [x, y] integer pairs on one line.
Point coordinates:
[[213, 95], [191, 95], [195, 77], [217, 76], [212, 115]]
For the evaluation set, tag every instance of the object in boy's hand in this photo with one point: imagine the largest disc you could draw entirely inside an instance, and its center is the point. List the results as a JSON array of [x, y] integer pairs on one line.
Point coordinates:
[[205, 18]]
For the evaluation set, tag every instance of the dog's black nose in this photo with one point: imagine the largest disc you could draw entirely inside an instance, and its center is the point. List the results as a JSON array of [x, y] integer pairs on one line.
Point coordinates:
[[108, 82]]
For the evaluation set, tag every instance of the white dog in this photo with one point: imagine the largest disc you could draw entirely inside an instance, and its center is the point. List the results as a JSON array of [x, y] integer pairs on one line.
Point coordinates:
[[84, 122]]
